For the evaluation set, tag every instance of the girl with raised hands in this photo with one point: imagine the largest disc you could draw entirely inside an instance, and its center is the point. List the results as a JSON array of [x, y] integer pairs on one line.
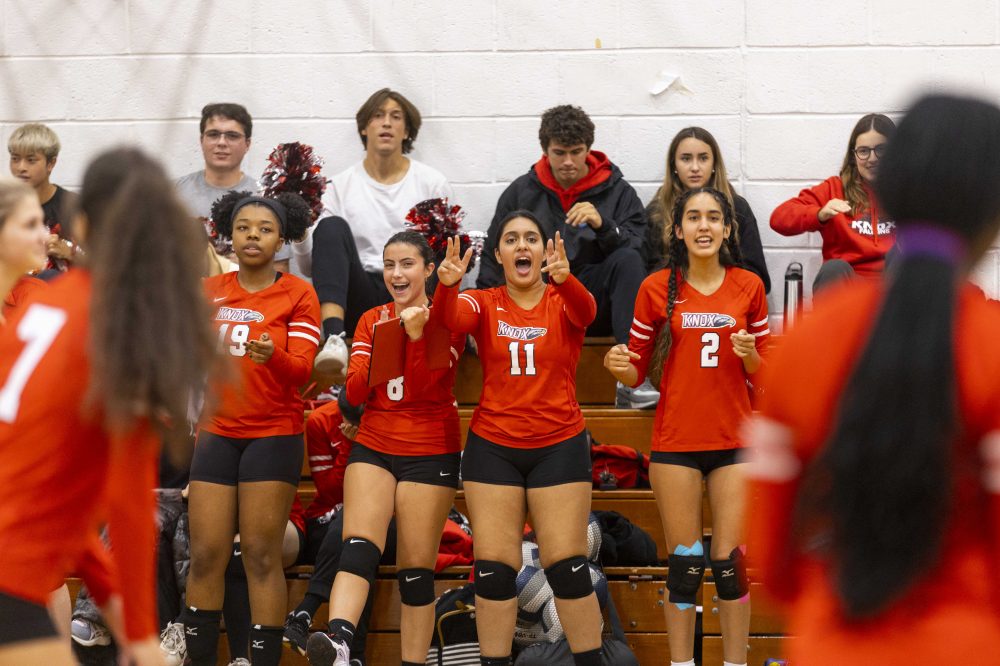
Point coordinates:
[[249, 449], [404, 460], [116, 346], [699, 332], [527, 448]]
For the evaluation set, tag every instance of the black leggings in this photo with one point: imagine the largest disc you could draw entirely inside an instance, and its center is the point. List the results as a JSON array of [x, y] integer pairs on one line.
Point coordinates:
[[338, 275]]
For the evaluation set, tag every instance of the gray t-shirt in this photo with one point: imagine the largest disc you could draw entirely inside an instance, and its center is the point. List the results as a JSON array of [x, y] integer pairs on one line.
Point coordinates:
[[198, 196]]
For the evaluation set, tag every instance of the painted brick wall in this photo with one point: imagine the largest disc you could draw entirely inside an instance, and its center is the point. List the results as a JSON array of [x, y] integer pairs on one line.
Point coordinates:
[[779, 82]]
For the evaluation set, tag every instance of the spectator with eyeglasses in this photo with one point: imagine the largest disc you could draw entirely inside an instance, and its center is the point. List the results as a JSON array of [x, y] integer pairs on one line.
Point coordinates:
[[225, 131], [856, 233]]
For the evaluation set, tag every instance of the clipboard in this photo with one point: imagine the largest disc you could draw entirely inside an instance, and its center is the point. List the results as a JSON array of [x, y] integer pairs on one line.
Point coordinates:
[[389, 349]]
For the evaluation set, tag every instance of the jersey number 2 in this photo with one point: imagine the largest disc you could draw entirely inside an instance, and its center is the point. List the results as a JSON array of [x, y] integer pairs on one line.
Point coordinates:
[[38, 329], [710, 352], [515, 360]]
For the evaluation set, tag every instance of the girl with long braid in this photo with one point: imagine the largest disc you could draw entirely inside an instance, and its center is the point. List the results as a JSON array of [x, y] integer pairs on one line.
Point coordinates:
[[699, 332]]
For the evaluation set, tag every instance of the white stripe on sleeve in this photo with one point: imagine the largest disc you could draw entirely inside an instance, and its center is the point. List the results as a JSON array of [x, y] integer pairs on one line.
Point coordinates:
[[307, 326], [305, 336], [471, 301]]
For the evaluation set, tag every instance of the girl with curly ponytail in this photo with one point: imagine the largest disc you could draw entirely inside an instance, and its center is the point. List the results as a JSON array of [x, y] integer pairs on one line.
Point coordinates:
[[249, 450], [699, 333]]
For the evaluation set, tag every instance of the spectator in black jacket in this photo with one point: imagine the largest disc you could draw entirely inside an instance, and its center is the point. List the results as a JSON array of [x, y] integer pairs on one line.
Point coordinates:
[[579, 192], [694, 160]]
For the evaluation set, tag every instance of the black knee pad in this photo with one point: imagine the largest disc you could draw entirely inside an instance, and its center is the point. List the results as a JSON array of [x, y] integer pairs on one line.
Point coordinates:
[[495, 581], [416, 586], [731, 580], [570, 578], [360, 557], [684, 577]]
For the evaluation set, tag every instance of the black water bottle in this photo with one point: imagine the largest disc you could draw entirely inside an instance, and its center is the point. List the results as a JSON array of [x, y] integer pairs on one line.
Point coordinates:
[[793, 295]]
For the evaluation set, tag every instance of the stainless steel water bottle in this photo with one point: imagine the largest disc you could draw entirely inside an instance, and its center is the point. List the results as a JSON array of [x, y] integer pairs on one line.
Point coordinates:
[[793, 295]]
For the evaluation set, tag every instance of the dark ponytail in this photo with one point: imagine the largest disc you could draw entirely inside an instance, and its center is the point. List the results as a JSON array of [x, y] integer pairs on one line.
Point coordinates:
[[883, 483], [676, 262], [150, 339]]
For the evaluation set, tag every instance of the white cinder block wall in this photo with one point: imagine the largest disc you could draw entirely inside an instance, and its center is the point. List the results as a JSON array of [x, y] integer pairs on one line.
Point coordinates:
[[779, 82]]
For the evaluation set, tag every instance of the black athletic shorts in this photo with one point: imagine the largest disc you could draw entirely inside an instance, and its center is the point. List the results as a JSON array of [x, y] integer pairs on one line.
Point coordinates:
[[22, 620], [436, 470], [564, 462], [231, 460], [706, 461]]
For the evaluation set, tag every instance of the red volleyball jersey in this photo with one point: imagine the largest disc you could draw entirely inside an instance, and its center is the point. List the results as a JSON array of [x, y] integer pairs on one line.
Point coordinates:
[[703, 394], [950, 613], [411, 415], [529, 360], [265, 402], [62, 473], [22, 290], [328, 451]]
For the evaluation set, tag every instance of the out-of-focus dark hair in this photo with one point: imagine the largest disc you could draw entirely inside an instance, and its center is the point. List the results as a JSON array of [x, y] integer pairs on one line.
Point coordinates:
[[151, 342], [880, 491]]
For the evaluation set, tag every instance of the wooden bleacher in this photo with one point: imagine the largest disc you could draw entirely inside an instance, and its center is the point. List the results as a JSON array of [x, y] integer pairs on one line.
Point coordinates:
[[638, 592]]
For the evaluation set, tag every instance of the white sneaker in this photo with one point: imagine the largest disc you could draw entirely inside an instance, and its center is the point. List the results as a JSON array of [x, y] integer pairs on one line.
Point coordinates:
[[332, 358], [172, 644], [643, 396], [324, 650], [88, 633], [239, 661]]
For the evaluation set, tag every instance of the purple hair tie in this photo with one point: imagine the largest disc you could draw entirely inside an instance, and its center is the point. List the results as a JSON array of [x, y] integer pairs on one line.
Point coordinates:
[[929, 239]]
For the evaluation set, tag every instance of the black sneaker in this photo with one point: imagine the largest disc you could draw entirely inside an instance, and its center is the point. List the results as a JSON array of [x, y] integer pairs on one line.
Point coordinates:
[[325, 650], [297, 631]]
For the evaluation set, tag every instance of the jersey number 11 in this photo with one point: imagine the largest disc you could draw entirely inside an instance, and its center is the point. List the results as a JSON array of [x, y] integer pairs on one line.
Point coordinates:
[[515, 359]]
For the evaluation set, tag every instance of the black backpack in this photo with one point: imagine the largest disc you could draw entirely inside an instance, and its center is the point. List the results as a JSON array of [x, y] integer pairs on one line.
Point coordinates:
[[615, 648], [455, 641]]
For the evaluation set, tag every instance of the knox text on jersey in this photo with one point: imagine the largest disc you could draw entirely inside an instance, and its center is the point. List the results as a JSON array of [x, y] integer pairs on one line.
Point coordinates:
[[525, 333], [706, 320], [241, 315]]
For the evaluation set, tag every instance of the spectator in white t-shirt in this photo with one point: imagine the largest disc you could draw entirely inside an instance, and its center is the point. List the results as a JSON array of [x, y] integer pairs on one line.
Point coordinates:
[[368, 203], [225, 139]]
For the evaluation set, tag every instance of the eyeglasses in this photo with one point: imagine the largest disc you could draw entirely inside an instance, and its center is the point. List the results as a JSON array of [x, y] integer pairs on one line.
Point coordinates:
[[215, 135], [864, 152]]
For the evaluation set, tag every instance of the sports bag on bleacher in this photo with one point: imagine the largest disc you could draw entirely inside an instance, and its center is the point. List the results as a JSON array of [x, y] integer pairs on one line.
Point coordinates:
[[616, 466], [614, 648], [455, 641]]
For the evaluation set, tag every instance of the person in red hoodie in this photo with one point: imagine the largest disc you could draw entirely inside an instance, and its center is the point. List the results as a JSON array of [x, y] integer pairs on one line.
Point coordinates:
[[581, 194], [843, 209], [876, 491]]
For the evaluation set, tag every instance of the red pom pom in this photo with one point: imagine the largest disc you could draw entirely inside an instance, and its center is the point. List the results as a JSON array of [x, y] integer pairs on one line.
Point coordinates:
[[292, 167], [438, 222]]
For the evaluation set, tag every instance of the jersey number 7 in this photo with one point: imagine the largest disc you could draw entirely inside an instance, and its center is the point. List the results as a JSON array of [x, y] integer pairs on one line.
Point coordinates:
[[37, 329]]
